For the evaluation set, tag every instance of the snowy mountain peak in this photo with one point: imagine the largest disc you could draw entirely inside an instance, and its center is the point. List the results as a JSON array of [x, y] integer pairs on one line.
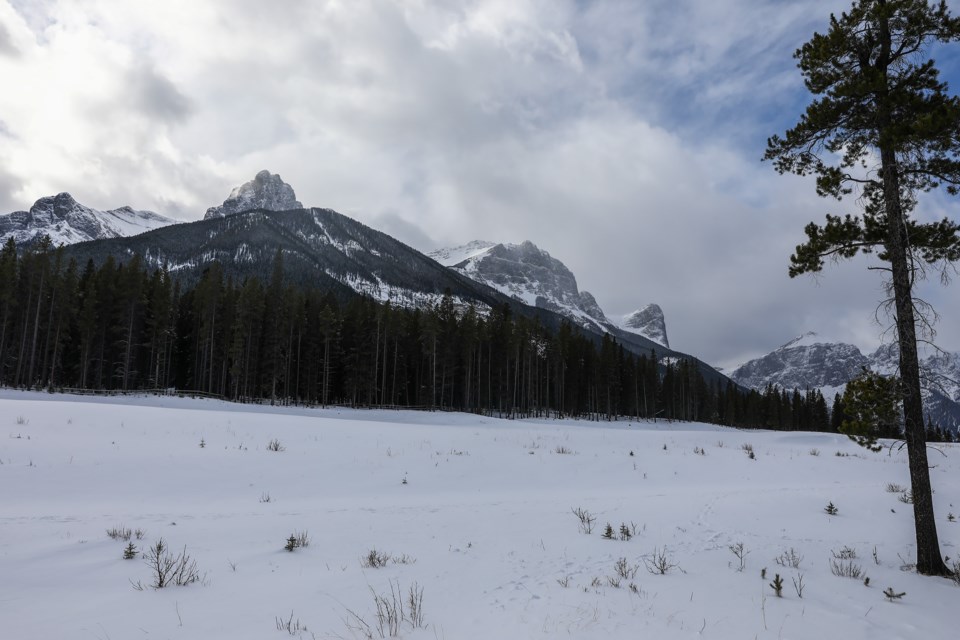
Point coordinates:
[[527, 273], [648, 322], [266, 191], [808, 339], [66, 221], [453, 256]]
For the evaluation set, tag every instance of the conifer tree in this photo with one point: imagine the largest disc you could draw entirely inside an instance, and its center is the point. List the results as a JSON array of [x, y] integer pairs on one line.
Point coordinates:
[[883, 126]]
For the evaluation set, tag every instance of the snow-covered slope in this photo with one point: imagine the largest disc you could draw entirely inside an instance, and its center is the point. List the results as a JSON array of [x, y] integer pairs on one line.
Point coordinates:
[[66, 221], [266, 191], [810, 362], [530, 274], [476, 512], [647, 322]]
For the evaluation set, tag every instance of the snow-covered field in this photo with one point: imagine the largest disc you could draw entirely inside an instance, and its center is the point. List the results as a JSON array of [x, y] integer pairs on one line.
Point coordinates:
[[483, 524]]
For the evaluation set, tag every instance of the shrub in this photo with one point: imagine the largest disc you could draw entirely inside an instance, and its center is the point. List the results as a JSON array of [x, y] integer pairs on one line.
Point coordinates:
[[130, 552], [166, 568], [274, 445], [740, 552], [893, 487], [789, 559], [843, 564], [831, 509], [375, 559], [294, 628], [120, 533], [607, 532], [893, 595], [586, 519], [625, 570], [296, 540], [659, 562], [562, 450]]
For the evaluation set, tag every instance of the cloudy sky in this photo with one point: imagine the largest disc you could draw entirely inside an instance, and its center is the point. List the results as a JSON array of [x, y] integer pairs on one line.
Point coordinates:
[[623, 137]]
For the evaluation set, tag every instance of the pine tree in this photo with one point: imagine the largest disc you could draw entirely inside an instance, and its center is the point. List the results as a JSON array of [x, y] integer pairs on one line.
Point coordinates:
[[872, 406], [883, 125]]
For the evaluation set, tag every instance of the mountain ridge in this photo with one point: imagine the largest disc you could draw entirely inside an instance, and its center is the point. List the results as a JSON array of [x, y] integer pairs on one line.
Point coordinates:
[[66, 221]]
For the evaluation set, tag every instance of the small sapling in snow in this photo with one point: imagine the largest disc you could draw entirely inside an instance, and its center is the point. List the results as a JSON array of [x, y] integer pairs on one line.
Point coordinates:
[[892, 595], [740, 552], [777, 585], [831, 509], [130, 552]]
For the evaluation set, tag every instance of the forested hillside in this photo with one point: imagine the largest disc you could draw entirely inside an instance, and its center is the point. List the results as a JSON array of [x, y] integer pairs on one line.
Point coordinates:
[[123, 326]]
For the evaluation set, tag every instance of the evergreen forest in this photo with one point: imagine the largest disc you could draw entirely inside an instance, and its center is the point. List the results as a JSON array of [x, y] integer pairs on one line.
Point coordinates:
[[121, 326]]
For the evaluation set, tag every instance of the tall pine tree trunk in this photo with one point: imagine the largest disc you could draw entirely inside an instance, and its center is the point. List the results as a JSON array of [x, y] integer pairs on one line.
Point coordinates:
[[929, 560]]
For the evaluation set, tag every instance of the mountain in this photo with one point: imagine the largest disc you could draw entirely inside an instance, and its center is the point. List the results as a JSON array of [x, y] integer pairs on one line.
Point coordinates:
[[527, 273], [809, 362], [648, 321], [66, 221], [319, 247], [266, 191], [325, 249]]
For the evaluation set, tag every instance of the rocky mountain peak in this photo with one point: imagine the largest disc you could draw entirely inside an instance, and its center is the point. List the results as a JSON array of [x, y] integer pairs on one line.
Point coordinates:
[[66, 221], [266, 191], [528, 273], [648, 322]]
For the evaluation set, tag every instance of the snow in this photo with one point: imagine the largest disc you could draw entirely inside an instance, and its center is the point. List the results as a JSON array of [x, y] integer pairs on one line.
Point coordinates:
[[485, 513], [453, 256]]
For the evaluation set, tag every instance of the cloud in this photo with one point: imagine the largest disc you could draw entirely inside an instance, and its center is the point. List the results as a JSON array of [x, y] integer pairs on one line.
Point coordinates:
[[623, 137]]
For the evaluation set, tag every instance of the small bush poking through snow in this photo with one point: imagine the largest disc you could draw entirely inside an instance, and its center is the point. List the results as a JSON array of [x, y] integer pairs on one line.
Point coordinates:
[[892, 595], [291, 626], [740, 552], [375, 559], [790, 559], [843, 564], [120, 533], [625, 570], [831, 509], [168, 569], [274, 445], [893, 487], [296, 540], [130, 552], [586, 520], [562, 450], [906, 497], [815, 452], [659, 562]]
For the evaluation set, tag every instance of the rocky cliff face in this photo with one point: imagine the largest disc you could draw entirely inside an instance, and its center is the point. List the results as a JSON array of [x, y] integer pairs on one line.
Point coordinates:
[[527, 273], [648, 322], [809, 362], [66, 221], [530, 274], [267, 191]]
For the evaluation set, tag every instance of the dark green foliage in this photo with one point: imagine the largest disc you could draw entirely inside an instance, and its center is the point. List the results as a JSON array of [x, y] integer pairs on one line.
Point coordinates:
[[831, 509], [871, 404], [884, 129], [777, 585], [130, 551], [608, 532], [122, 326]]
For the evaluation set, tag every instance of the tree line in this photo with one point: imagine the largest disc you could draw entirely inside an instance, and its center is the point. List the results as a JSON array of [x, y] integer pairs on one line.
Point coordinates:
[[124, 326]]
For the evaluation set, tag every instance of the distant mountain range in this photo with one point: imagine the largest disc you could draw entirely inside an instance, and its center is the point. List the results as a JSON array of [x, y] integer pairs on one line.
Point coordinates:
[[262, 219], [531, 275], [66, 221], [809, 362]]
